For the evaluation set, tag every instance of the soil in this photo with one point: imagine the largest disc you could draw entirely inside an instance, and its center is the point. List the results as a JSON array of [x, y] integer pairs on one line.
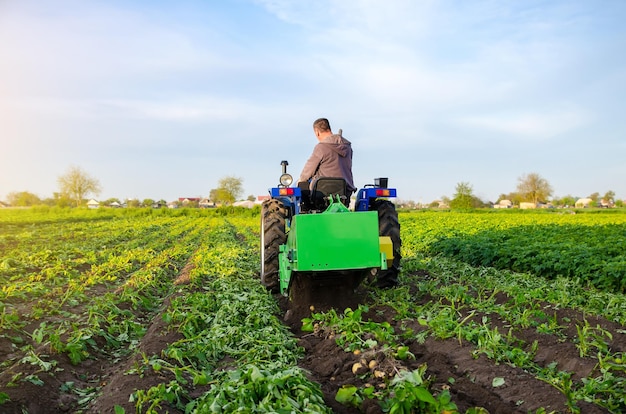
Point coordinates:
[[449, 362]]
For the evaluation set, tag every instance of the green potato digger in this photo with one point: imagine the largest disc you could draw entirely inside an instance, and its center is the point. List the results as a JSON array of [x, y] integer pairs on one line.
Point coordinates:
[[314, 235]]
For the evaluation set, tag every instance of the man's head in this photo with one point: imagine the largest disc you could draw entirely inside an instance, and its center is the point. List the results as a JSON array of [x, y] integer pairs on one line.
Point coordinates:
[[321, 128]]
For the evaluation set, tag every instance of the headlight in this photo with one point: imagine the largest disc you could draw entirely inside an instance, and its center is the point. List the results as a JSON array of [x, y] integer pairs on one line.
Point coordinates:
[[286, 180]]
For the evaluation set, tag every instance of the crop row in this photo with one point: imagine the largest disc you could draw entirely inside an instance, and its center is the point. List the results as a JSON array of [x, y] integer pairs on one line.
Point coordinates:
[[89, 288], [53, 268], [494, 311], [233, 342], [588, 247], [83, 288], [468, 304]]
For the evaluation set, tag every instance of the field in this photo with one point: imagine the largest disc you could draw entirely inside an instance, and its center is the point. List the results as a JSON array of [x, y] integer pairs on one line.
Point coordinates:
[[155, 311]]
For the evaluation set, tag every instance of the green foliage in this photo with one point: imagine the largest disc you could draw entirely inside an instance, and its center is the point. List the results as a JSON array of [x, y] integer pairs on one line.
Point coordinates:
[[591, 253], [151, 400], [408, 393], [568, 200], [228, 190], [23, 199], [53, 259], [228, 316], [349, 395], [458, 289], [589, 247], [464, 197], [262, 391], [76, 184], [352, 331], [534, 188]]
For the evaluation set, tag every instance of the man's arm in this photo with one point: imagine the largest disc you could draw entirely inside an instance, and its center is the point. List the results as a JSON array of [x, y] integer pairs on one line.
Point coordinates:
[[310, 168]]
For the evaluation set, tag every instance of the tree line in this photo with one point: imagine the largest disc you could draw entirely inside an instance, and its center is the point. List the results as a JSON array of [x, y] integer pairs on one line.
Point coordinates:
[[75, 185], [531, 188]]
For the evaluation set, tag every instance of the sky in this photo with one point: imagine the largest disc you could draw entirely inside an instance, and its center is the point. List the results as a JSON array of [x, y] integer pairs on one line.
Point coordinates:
[[161, 99]]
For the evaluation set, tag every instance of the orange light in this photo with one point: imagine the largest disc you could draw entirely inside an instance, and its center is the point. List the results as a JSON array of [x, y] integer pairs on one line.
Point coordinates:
[[285, 191], [382, 193]]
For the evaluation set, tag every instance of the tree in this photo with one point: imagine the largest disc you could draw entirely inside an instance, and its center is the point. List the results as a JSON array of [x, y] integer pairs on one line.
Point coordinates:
[[565, 201], [23, 199], [532, 187], [58, 200], [76, 184], [213, 195], [228, 190], [609, 197], [464, 197], [132, 203]]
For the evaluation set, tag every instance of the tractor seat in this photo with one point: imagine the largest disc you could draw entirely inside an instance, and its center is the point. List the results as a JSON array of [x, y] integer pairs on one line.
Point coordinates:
[[326, 186]]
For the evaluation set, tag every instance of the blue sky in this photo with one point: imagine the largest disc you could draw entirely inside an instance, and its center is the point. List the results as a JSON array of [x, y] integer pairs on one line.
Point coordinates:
[[161, 99]]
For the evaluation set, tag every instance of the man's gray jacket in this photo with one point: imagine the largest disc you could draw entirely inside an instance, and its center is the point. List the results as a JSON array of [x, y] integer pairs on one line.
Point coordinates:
[[332, 157]]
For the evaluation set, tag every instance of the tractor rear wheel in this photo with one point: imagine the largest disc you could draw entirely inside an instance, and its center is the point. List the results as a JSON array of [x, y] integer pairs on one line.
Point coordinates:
[[388, 225], [273, 217]]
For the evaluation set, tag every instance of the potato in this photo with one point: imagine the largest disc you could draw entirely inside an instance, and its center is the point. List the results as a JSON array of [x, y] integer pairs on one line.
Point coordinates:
[[356, 367]]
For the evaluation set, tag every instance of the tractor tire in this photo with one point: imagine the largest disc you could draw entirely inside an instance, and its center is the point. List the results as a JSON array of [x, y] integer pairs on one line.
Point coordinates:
[[273, 217], [388, 225]]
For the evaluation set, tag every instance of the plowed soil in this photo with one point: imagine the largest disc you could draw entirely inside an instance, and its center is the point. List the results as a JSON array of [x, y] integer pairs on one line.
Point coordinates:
[[450, 362]]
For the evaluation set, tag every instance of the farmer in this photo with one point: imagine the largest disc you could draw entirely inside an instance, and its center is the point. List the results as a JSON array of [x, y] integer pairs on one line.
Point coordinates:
[[331, 157]]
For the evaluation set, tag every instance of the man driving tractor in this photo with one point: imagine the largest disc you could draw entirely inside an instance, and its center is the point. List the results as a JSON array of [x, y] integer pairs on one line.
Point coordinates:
[[331, 157]]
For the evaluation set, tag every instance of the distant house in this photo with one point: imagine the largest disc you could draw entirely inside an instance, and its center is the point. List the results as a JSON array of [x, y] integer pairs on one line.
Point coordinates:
[[503, 204], [93, 203], [246, 203], [206, 203], [583, 202], [606, 204], [115, 204], [527, 205], [187, 200], [440, 204]]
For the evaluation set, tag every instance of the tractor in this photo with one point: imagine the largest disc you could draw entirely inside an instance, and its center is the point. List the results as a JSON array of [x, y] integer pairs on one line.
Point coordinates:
[[311, 234]]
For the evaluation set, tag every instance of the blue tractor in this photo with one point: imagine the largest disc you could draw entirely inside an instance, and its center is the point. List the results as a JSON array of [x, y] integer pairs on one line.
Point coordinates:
[[313, 234]]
